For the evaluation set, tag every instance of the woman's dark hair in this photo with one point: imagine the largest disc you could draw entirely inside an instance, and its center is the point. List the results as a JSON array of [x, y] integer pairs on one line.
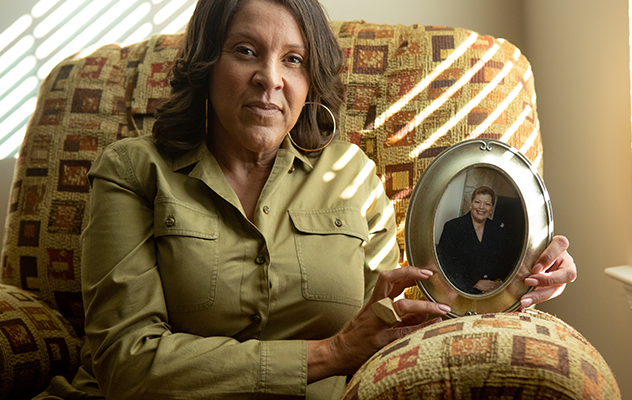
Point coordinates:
[[181, 121], [484, 190]]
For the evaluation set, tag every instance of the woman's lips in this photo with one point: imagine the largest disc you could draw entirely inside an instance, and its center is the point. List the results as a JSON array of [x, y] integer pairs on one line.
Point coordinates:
[[264, 109]]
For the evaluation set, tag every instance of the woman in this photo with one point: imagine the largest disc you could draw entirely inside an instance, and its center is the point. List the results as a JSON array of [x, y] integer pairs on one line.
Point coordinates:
[[476, 252], [239, 263], [222, 262]]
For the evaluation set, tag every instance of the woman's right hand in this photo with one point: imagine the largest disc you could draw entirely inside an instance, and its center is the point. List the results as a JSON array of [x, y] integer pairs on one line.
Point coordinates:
[[345, 352]]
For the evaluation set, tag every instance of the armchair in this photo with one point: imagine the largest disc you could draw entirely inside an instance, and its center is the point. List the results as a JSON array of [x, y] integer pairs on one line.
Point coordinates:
[[410, 93]]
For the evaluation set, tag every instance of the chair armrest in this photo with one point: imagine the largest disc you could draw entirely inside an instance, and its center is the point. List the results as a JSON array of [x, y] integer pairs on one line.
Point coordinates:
[[36, 344], [505, 355]]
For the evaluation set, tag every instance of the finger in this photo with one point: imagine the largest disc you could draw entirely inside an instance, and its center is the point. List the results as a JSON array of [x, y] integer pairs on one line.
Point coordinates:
[[564, 271], [559, 277], [540, 295], [558, 245], [405, 307], [425, 272], [391, 283], [412, 320], [421, 320]]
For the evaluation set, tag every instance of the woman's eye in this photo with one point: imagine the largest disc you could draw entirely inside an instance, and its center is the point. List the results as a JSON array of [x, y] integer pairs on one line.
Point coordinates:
[[245, 51], [295, 59]]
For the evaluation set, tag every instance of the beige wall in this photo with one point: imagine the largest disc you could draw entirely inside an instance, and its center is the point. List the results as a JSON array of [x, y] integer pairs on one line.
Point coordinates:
[[580, 56]]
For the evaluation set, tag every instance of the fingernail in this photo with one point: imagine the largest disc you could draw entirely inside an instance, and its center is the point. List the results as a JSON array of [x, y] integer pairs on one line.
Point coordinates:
[[426, 272], [444, 308], [536, 268], [525, 303], [531, 282]]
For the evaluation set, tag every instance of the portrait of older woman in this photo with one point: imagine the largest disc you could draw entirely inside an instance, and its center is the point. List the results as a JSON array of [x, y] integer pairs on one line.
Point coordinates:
[[477, 253], [218, 261]]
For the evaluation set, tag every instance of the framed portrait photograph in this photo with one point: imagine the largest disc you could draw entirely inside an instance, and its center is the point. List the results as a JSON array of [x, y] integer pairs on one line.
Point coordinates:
[[478, 217]]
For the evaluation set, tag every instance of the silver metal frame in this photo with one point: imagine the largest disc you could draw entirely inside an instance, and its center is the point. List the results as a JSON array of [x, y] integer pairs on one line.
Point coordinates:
[[422, 209]]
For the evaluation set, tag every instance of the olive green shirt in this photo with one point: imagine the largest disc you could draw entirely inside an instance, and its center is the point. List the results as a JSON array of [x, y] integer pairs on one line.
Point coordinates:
[[188, 299]]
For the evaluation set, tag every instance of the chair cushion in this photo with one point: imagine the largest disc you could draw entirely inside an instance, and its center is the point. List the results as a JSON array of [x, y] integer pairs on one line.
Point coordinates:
[[35, 344], [529, 355]]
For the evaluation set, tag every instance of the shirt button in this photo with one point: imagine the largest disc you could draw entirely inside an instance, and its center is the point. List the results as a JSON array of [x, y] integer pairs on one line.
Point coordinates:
[[266, 210], [260, 260], [170, 221], [338, 222], [292, 169], [255, 318]]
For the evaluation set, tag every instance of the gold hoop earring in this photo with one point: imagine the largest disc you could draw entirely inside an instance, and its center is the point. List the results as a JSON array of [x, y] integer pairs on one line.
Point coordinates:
[[333, 132]]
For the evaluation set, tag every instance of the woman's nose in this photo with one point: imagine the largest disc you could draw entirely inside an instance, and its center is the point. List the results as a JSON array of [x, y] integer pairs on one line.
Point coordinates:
[[269, 76]]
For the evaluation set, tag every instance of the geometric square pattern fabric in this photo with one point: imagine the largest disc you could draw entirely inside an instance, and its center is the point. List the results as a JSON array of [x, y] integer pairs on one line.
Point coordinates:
[[413, 91], [83, 106], [529, 355], [35, 344]]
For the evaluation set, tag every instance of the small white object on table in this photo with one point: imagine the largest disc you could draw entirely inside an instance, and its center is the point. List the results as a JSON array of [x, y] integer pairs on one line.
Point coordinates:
[[623, 274]]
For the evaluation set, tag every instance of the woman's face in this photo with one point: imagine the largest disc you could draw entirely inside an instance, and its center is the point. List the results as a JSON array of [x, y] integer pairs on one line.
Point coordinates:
[[481, 207], [260, 83]]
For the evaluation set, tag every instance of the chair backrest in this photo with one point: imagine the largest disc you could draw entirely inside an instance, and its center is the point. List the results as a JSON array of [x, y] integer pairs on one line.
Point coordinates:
[[410, 93]]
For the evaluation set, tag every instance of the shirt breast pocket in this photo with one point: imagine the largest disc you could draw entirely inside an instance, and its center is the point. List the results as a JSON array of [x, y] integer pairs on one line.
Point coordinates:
[[187, 254], [329, 247]]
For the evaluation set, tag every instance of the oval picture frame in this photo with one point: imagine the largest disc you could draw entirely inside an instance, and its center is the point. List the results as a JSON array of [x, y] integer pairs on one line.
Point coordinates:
[[440, 233]]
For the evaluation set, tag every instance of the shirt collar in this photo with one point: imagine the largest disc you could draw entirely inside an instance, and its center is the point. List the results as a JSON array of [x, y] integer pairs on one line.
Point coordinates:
[[195, 155], [189, 158], [287, 145]]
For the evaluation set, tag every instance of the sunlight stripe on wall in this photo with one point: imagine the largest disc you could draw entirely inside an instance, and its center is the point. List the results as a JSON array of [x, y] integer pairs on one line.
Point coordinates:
[[15, 30], [180, 22], [42, 7], [15, 52], [168, 10], [57, 17], [52, 30], [70, 28], [17, 95]]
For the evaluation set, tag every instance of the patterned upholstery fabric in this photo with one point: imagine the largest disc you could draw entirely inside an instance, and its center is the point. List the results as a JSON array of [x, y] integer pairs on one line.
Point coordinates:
[[410, 93], [529, 355], [35, 343], [414, 91]]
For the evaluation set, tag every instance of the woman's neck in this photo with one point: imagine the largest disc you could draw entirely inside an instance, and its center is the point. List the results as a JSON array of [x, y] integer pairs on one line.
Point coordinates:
[[479, 227], [246, 173]]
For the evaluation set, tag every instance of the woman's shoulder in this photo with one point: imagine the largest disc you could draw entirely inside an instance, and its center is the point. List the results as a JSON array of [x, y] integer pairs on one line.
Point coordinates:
[[143, 144], [341, 146], [129, 157], [135, 151], [350, 152], [459, 222]]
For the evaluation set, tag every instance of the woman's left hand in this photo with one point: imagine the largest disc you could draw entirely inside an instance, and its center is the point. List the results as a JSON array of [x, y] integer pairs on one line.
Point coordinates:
[[550, 274]]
